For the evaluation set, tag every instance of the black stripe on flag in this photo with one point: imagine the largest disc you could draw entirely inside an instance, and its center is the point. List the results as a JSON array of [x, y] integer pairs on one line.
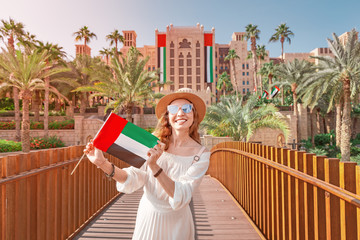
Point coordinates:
[[126, 156]]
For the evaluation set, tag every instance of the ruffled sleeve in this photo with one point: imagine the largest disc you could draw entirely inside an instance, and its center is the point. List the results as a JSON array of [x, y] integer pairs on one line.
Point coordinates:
[[187, 183], [136, 178]]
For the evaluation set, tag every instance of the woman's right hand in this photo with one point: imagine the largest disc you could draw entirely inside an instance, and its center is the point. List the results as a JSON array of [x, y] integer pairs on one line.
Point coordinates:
[[95, 155]]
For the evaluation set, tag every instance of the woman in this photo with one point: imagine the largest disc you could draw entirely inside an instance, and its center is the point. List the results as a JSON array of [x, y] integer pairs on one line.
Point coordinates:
[[174, 169]]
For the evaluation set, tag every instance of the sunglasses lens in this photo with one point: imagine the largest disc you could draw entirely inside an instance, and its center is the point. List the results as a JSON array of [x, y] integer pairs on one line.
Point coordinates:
[[173, 109], [186, 108]]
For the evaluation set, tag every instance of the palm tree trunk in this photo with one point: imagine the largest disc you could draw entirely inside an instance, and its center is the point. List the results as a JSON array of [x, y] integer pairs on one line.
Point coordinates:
[[25, 130], [253, 50], [282, 48], [313, 125], [46, 108], [36, 106], [83, 104], [338, 125], [128, 111], [17, 113], [346, 122], [270, 76], [236, 86]]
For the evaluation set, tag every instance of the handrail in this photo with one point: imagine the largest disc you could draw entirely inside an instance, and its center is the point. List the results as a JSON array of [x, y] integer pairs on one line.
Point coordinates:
[[337, 191]]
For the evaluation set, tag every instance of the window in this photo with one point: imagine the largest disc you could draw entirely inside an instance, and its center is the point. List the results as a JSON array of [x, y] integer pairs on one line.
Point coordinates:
[[181, 79], [172, 71], [243, 66], [188, 62], [247, 82], [198, 52], [247, 73], [149, 68], [197, 71], [198, 87], [247, 66], [197, 62], [215, 75], [189, 86], [225, 67], [215, 68], [243, 73], [197, 79], [181, 62], [247, 90], [243, 90], [181, 71], [172, 62], [221, 68], [153, 68], [181, 86], [172, 53], [172, 87], [243, 82], [188, 71], [189, 79]]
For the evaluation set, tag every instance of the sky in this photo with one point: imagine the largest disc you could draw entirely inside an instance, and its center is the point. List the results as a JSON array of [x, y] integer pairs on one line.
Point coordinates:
[[312, 21]]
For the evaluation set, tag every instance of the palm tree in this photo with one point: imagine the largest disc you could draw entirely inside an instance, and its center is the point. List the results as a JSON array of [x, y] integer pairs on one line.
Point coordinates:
[[127, 83], [224, 83], [231, 57], [84, 33], [106, 52], [268, 70], [241, 121], [292, 74], [338, 78], [25, 71], [114, 38], [252, 33], [56, 57], [260, 55], [13, 30], [283, 33]]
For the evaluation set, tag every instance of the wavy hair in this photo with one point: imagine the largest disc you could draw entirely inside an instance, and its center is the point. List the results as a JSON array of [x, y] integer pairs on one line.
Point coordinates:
[[163, 129]]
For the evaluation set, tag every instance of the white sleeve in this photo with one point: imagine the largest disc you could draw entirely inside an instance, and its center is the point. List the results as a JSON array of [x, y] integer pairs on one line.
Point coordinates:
[[136, 178], [187, 183]]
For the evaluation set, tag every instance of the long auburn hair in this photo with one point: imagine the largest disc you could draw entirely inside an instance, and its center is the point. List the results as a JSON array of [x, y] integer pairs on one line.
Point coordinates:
[[163, 129]]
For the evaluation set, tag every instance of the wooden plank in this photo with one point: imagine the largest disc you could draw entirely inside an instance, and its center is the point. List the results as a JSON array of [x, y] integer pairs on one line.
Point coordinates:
[[358, 193], [272, 194], [347, 210], [320, 174], [284, 196], [291, 197], [278, 195], [299, 185]]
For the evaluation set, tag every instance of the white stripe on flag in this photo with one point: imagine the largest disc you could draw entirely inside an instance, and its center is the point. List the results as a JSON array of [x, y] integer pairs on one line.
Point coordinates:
[[132, 146], [208, 77], [161, 64]]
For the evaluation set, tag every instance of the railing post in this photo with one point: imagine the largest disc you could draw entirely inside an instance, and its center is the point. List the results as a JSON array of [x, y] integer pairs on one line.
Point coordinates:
[[299, 193], [332, 202], [348, 211]]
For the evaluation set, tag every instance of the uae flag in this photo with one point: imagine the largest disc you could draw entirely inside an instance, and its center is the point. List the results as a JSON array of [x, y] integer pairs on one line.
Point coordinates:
[[265, 94], [161, 41], [208, 45], [124, 140], [275, 91]]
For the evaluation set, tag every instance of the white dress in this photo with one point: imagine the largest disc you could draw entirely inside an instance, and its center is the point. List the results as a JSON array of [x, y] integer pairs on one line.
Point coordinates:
[[159, 216]]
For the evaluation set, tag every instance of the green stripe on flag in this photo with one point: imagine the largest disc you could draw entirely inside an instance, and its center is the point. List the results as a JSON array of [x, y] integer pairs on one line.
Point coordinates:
[[139, 135], [164, 64], [211, 65]]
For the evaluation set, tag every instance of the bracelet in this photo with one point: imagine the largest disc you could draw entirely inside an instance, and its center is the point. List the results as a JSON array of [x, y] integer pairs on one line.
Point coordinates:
[[158, 173], [111, 175]]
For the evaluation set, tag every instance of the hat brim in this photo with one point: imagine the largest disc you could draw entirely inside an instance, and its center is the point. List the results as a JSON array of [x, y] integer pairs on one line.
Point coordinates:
[[198, 103]]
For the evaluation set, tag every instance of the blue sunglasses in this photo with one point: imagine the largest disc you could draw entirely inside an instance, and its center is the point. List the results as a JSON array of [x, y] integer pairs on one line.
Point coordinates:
[[186, 108]]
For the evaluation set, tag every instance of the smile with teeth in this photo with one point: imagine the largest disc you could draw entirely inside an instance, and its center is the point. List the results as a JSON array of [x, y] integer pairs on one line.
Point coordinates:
[[180, 121]]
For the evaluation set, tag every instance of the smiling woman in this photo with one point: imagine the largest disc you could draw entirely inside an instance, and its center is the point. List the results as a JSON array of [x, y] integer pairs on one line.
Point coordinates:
[[172, 172]]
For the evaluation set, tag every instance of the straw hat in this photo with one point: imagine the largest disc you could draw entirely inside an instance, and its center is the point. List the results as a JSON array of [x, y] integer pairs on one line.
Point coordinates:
[[182, 93]]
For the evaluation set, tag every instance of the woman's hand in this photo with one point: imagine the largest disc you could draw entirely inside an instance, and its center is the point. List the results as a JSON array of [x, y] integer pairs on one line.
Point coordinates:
[[94, 155], [155, 153]]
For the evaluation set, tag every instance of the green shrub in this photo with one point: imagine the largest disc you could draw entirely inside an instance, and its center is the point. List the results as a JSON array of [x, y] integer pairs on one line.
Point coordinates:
[[36, 125], [9, 146], [66, 124], [354, 151], [322, 139], [355, 159], [306, 144], [318, 151], [44, 143]]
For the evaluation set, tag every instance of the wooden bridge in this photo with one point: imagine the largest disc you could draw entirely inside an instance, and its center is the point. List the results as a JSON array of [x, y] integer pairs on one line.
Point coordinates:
[[252, 192]]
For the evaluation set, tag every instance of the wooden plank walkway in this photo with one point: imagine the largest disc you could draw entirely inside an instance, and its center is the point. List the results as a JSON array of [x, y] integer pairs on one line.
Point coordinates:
[[216, 215]]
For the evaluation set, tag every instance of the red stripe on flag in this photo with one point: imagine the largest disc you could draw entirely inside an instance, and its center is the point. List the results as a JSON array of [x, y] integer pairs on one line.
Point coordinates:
[[208, 39], [109, 132], [161, 40]]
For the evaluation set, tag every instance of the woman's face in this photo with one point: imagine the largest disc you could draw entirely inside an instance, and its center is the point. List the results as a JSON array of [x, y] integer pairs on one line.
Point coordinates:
[[181, 120]]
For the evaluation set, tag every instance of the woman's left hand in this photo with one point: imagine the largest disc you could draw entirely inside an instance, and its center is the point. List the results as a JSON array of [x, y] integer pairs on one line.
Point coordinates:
[[155, 153]]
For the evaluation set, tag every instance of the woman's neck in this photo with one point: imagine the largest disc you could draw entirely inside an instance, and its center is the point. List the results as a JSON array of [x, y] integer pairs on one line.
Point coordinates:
[[179, 138]]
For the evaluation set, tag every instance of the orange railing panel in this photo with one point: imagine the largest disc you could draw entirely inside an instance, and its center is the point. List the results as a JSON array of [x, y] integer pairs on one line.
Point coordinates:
[[291, 194]]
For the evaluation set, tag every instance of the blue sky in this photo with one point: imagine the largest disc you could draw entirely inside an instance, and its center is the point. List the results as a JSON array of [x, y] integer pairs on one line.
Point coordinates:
[[311, 21]]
